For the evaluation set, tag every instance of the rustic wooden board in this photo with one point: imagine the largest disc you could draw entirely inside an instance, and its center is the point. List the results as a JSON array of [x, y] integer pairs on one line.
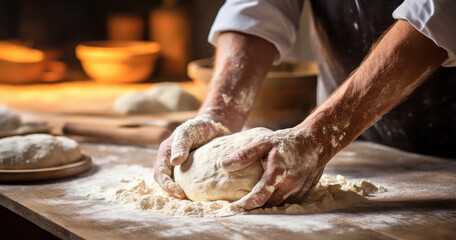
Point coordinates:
[[420, 203], [49, 173]]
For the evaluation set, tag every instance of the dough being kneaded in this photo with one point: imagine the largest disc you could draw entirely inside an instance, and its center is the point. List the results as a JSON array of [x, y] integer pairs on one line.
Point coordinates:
[[9, 119], [203, 179], [37, 151], [163, 97]]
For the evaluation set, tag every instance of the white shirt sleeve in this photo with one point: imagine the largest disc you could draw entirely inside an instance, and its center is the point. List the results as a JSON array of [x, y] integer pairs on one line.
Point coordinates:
[[273, 20], [436, 19]]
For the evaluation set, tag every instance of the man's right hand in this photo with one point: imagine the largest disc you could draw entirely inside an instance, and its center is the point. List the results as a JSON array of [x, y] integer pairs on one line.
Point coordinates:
[[237, 77], [175, 150]]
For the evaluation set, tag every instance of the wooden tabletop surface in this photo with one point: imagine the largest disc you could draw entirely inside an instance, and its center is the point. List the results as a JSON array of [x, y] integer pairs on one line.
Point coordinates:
[[420, 203]]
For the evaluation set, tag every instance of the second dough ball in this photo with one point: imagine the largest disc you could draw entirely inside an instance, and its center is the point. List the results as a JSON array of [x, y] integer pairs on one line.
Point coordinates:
[[37, 151], [163, 97], [9, 119], [203, 179]]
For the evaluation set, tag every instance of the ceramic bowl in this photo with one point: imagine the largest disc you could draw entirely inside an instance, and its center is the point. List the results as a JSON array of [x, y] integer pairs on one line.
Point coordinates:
[[118, 61]]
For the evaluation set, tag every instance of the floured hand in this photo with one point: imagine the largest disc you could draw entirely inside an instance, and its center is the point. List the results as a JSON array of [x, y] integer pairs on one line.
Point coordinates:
[[175, 150], [293, 160]]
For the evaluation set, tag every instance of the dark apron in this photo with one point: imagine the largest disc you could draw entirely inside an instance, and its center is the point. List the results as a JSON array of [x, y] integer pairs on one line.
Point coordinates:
[[342, 34]]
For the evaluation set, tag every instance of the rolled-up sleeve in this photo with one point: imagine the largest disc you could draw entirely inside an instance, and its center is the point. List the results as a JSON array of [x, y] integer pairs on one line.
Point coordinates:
[[273, 20], [436, 19]]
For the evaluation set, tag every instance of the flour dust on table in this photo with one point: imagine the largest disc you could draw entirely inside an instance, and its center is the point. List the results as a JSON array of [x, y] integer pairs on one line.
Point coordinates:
[[133, 186], [213, 190]]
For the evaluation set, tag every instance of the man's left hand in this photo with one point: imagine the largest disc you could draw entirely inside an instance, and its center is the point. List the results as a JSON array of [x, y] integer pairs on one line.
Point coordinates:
[[293, 160]]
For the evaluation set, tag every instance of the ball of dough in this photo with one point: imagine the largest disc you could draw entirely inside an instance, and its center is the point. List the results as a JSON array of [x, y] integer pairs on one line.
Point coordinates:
[[9, 119], [137, 103], [163, 97], [174, 97], [37, 151], [202, 178]]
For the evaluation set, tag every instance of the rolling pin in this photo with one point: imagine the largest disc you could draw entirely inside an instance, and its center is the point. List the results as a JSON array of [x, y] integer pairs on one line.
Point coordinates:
[[151, 135]]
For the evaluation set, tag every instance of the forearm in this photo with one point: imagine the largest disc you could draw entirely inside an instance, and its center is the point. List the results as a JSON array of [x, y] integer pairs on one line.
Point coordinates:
[[242, 62], [401, 61]]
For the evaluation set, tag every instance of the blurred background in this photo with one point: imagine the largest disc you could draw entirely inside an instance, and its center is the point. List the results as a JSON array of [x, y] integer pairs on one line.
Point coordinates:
[[62, 25], [76, 59]]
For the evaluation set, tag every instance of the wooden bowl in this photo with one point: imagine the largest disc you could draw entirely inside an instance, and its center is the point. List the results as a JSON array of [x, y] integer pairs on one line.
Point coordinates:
[[285, 98], [22, 65], [118, 61], [19, 64]]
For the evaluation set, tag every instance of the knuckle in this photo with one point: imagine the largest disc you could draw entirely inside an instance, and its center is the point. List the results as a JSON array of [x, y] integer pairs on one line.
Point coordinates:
[[260, 197], [295, 180], [276, 170], [160, 173], [257, 203], [164, 148], [249, 152], [228, 163], [253, 202], [246, 154], [241, 155], [157, 168]]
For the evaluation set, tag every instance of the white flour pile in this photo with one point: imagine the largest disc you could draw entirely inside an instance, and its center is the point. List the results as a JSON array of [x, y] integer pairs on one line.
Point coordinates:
[[134, 187]]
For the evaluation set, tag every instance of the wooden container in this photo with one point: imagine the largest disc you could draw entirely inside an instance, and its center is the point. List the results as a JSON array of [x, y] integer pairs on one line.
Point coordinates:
[[118, 61], [171, 26], [285, 98], [23, 65]]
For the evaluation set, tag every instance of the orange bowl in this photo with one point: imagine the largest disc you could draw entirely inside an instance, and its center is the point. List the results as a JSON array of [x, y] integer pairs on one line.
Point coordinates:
[[20, 64], [118, 61]]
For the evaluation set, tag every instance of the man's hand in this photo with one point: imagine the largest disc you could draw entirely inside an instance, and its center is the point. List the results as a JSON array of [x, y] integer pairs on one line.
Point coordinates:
[[237, 77], [293, 160], [175, 150]]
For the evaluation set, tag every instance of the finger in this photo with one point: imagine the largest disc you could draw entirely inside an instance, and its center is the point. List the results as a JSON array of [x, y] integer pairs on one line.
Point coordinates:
[[180, 148], [305, 191], [167, 183], [283, 192], [300, 195], [163, 171], [262, 191], [245, 156]]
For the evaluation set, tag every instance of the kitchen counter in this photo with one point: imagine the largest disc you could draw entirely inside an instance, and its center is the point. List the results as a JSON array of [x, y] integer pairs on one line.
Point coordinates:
[[420, 203]]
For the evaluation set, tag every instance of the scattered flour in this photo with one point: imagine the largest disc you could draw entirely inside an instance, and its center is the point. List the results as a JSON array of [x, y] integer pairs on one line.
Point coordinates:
[[245, 100], [226, 98], [133, 186]]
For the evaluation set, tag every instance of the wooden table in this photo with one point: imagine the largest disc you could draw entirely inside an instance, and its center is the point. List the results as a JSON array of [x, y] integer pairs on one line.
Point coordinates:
[[420, 203]]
